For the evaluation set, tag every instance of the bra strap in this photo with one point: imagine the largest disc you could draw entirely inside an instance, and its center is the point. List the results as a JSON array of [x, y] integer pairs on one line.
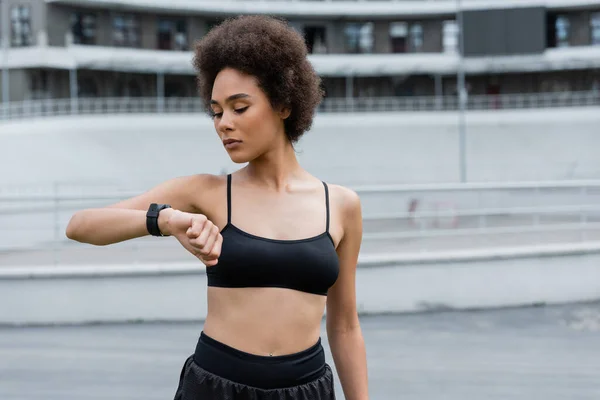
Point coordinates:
[[228, 198], [326, 206]]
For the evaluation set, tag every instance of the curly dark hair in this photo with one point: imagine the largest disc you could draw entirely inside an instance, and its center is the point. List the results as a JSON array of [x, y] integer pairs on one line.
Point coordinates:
[[271, 51]]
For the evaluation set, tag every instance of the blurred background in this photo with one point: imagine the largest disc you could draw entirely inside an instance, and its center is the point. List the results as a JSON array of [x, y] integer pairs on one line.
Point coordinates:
[[470, 129]]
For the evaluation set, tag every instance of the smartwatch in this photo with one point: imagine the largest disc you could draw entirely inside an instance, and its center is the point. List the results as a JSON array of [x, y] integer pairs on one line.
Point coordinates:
[[152, 218]]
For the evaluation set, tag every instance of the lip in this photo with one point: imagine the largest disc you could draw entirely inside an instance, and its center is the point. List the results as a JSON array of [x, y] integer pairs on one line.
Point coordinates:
[[230, 143]]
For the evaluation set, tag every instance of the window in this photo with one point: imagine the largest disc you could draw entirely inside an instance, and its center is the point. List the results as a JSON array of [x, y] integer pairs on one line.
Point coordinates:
[[172, 34], [416, 37], [359, 37], [126, 31], [127, 86], [212, 23], [406, 37], [174, 89], [595, 27], [87, 87], [315, 39], [83, 28], [38, 84], [398, 37], [20, 23], [563, 27], [450, 36]]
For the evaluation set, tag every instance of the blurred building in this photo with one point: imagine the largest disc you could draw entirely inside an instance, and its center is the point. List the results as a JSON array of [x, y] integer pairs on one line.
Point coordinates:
[[142, 48]]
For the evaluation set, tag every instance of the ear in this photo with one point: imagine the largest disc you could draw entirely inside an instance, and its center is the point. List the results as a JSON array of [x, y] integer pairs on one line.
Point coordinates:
[[284, 113]]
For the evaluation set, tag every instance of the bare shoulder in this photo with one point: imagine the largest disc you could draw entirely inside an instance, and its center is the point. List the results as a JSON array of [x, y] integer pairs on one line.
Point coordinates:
[[194, 188], [204, 190], [204, 182], [346, 215], [345, 200]]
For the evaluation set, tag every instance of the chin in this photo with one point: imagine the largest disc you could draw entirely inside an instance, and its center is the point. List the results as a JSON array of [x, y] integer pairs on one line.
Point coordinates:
[[239, 158]]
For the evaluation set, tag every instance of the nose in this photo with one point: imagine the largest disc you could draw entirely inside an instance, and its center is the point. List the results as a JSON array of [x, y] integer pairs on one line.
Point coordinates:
[[225, 123]]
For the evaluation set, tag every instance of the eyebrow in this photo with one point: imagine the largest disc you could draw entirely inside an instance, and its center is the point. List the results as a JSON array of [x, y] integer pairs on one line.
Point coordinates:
[[232, 97]]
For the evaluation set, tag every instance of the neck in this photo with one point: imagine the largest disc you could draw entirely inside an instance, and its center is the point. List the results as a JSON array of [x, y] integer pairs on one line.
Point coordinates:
[[276, 168]]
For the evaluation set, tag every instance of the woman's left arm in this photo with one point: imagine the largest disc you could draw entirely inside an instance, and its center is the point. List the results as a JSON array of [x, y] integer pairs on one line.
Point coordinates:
[[343, 327]]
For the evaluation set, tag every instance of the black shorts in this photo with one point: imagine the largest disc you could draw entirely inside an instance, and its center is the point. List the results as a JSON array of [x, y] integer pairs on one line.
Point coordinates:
[[217, 371]]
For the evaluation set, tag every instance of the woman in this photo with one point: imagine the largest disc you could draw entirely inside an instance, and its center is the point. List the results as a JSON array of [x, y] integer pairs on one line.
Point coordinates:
[[279, 245]]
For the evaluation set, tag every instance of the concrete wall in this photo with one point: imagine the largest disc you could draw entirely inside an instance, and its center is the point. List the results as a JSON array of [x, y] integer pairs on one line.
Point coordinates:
[[60, 17], [433, 36], [580, 34], [196, 29], [147, 26], [524, 145], [18, 84], [104, 27], [336, 40], [59, 295], [381, 35]]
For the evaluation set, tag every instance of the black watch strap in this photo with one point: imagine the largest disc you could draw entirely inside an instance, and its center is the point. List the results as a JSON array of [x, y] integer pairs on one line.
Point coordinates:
[[152, 218]]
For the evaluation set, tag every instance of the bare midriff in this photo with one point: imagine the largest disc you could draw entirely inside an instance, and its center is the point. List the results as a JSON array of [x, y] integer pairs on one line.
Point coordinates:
[[264, 321]]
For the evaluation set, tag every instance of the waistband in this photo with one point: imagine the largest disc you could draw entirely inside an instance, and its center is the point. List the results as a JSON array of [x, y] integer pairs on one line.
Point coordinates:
[[265, 372]]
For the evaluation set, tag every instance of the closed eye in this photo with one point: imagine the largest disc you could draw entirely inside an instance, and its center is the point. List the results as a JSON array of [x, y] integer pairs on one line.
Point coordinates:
[[237, 111]]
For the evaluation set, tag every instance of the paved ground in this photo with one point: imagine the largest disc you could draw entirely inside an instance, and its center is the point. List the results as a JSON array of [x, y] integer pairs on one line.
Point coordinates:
[[518, 354]]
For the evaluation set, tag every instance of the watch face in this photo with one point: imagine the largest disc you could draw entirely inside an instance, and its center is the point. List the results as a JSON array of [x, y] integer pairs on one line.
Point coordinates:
[[162, 207], [154, 209]]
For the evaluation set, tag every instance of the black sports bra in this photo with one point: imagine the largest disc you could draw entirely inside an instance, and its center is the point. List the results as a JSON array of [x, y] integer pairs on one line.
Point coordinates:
[[309, 265]]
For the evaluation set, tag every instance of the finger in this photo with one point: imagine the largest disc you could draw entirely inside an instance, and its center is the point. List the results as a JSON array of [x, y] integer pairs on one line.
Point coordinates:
[[200, 241], [210, 263], [195, 229], [190, 233], [212, 258], [215, 252], [197, 226], [210, 241]]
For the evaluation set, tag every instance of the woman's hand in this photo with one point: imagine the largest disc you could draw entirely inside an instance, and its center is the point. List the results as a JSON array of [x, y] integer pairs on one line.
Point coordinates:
[[196, 233]]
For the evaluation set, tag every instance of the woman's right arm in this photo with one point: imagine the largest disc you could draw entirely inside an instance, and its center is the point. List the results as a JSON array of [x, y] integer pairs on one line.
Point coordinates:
[[126, 220]]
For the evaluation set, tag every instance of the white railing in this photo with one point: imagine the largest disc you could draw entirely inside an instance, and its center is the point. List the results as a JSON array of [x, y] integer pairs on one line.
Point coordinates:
[[397, 218], [127, 105], [474, 102]]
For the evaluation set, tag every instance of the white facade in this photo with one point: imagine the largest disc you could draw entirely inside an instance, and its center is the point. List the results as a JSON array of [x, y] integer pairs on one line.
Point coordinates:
[[340, 65], [412, 49], [326, 8]]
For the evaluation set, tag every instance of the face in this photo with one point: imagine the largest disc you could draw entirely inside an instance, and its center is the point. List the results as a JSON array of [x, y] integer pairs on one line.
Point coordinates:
[[244, 120]]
